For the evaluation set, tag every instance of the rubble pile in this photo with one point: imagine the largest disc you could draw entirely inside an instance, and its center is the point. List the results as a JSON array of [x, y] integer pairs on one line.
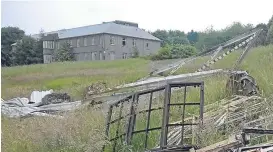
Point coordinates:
[[41, 103]]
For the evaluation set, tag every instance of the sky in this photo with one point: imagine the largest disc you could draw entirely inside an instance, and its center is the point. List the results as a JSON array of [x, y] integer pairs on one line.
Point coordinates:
[[185, 15]]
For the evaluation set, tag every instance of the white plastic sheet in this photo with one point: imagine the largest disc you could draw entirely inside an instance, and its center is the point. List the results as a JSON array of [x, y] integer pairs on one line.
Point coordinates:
[[36, 96], [21, 107]]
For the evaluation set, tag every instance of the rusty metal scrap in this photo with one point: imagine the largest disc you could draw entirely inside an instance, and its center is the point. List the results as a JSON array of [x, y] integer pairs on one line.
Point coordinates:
[[241, 83]]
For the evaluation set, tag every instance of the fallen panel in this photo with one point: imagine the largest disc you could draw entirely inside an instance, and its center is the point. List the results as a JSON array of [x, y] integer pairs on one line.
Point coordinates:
[[164, 80]]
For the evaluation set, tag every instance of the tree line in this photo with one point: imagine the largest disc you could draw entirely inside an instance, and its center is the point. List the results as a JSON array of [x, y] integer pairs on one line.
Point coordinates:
[[175, 43], [17, 48]]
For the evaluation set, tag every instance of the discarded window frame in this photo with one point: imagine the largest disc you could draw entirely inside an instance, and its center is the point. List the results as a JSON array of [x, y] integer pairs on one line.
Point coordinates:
[[131, 121]]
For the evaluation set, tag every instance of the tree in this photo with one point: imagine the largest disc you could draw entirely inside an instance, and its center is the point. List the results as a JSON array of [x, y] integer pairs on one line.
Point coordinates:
[[182, 51], [236, 28], [261, 39], [162, 35], [174, 52], [9, 35], [269, 37], [171, 37], [178, 40], [26, 52], [192, 37], [211, 37], [135, 52], [38, 47], [65, 53]]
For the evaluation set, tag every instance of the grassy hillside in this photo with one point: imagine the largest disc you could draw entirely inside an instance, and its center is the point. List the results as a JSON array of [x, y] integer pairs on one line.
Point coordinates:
[[69, 77], [82, 130]]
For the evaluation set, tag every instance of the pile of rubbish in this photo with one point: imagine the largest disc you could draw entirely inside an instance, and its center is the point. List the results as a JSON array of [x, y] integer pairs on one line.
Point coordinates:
[[41, 103]]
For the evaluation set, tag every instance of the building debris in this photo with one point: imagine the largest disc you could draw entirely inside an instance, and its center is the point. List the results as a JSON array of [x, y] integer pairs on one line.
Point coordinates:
[[51, 104], [229, 116], [128, 120], [54, 98], [95, 88], [241, 83], [36, 96]]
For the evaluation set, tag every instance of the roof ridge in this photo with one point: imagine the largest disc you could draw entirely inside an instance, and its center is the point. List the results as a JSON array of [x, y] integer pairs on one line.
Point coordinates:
[[83, 26], [106, 27]]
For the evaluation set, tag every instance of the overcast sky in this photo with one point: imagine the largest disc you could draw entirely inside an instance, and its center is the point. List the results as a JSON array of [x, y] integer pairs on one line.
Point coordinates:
[[185, 15]]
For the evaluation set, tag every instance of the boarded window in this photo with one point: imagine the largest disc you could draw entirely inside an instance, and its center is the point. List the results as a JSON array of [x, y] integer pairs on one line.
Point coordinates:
[[123, 41], [112, 40]]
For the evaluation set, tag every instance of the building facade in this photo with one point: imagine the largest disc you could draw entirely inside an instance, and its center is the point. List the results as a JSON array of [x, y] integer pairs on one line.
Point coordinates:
[[106, 41]]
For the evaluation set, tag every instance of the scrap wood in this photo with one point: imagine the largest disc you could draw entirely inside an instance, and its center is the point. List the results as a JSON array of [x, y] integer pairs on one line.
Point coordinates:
[[169, 78], [153, 82], [220, 116], [231, 142]]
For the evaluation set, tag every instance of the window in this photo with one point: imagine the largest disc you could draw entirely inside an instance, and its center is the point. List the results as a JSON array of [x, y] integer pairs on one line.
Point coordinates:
[[124, 56], [49, 44], [71, 42], [93, 41], [44, 44], [123, 41], [95, 55], [147, 45], [134, 42], [85, 41], [112, 40], [78, 42], [58, 45]]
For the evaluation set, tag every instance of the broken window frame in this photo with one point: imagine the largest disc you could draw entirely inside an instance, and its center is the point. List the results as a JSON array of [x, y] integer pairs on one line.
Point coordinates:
[[123, 42], [131, 117]]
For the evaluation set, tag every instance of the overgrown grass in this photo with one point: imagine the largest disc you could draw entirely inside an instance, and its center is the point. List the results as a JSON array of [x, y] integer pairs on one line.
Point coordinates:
[[76, 132], [69, 77], [83, 130]]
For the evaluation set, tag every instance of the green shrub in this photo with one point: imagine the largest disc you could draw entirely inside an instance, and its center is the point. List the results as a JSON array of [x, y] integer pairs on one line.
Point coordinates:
[[135, 52], [65, 53], [174, 52]]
